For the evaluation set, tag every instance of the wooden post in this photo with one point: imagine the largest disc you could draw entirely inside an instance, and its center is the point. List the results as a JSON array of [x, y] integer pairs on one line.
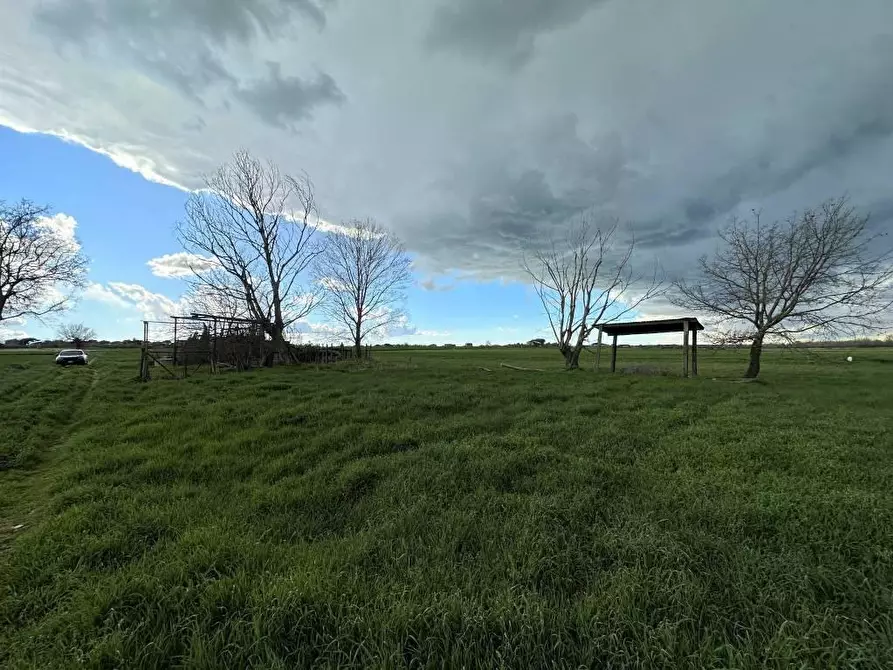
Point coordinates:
[[144, 356], [614, 354], [214, 350], [694, 353], [685, 348], [185, 358], [174, 363], [598, 350]]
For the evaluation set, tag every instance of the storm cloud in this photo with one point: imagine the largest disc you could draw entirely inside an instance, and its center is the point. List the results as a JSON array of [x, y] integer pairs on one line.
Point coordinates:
[[187, 45], [499, 30], [476, 128], [282, 100]]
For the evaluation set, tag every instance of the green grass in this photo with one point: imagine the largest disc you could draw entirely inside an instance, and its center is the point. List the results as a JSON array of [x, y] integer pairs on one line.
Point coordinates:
[[425, 513]]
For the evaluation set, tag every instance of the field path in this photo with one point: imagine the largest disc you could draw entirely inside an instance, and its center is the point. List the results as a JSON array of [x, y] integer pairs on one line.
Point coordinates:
[[43, 404]]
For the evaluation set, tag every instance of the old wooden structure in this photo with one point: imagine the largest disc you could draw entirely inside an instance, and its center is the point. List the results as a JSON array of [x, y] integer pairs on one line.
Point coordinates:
[[687, 325], [186, 344]]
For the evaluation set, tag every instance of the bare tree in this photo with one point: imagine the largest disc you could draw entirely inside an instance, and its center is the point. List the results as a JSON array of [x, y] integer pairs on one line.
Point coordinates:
[[201, 300], [584, 282], [37, 266], [364, 271], [820, 272], [255, 226], [77, 334]]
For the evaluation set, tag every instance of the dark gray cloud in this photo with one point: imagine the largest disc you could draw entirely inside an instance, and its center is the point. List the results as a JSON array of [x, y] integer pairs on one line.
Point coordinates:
[[536, 184], [280, 101], [670, 116], [881, 216], [183, 44], [500, 30], [240, 20]]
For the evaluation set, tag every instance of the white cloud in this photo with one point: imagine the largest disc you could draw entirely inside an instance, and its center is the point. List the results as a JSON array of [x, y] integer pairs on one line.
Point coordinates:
[[332, 284], [153, 306], [179, 265], [317, 332], [9, 334], [325, 332], [121, 155], [398, 327], [63, 225], [135, 298], [55, 295], [99, 293], [333, 228]]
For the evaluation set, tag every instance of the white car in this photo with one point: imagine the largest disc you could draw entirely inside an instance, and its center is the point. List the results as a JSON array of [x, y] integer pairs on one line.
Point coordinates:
[[71, 357]]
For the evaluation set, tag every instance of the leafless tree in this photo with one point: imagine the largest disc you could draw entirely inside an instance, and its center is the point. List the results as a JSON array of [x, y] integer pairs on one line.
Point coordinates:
[[256, 226], [38, 268], [77, 334], [585, 281], [364, 271], [201, 300], [821, 272]]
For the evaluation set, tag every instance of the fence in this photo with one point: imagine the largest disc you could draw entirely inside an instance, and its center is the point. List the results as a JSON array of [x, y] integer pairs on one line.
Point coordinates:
[[327, 353], [188, 345]]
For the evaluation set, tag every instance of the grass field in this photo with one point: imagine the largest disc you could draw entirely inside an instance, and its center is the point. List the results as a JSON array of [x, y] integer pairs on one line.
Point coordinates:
[[425, 513]]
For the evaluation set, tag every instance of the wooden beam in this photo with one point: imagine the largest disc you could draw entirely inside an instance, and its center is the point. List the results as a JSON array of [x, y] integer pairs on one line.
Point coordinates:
[[694, 353], [614, 355], [515, 367], [685, 349], [598, 350], [158, 361]]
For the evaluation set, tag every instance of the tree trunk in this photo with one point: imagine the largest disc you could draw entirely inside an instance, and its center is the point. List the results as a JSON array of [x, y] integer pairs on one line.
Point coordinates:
[[280, 346], [571, 358], [753, 368], [357, 341]]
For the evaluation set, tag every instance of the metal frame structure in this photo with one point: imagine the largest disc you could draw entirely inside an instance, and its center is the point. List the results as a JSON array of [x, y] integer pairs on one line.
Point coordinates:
[[222, 342], [182, 357]]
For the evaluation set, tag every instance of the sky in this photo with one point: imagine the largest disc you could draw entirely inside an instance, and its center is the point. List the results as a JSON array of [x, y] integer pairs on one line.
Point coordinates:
[[474, 129]]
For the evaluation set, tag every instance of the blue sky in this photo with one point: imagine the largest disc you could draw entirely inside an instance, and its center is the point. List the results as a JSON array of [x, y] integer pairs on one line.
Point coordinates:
[[125, 220]]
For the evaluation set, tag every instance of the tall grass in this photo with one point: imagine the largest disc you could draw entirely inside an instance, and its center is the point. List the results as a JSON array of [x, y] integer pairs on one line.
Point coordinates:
[[421, 512]]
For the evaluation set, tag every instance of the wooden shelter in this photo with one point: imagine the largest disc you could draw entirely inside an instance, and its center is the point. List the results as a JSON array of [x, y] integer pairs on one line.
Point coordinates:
[[684, 325]]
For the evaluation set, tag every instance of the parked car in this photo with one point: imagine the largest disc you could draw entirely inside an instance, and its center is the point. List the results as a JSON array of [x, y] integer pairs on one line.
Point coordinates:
[[71, 357]]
